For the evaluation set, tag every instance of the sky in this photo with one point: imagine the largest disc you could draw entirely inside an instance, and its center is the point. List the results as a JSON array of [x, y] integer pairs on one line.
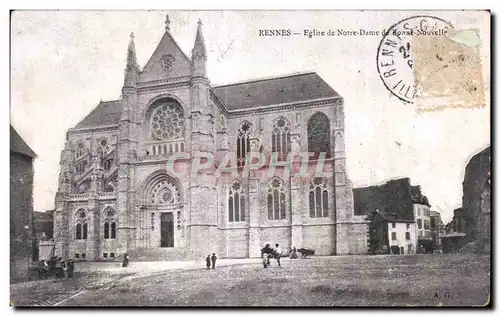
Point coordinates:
[[64, 62]]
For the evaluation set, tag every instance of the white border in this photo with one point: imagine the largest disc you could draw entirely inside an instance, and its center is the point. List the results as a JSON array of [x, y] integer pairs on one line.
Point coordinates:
[[191, 5]]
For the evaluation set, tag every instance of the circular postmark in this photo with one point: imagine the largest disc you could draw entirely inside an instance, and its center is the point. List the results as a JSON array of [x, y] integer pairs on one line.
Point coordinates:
[[395, 53]]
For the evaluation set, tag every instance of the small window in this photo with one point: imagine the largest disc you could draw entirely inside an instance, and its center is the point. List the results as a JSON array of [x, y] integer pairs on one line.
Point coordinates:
[[112, 254], [393, 225], [107, 164], [105, 255], [407, 235], [84, 231], [407, 225], [113, 230], [393, 236], [84, 255], [106, 230], [419, 223], [77, 255]]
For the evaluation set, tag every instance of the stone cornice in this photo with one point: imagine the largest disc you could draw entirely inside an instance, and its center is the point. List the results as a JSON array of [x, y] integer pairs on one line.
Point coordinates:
[[153, 83], [164, 86], [102, 128], [335, 101]]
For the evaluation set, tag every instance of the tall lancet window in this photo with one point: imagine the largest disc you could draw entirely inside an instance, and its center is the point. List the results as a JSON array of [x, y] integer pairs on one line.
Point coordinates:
[[243, 142], [276, 199], [81, 227], [109, 223], [280, 139], [318, 198], [236, 202], [318, 134]]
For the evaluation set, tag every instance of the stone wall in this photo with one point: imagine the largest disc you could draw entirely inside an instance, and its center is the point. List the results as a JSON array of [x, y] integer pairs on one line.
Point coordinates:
[[21, 213]]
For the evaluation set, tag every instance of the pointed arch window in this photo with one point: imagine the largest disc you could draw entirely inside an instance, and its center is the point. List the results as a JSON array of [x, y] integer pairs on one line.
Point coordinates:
[[318, 198], [276, 199], [109, 223], [280, 138], [318, 134], [236, 202], [108, 164], [80, 149], [110, 185], [243, 142], [81, 224], [81, 166]]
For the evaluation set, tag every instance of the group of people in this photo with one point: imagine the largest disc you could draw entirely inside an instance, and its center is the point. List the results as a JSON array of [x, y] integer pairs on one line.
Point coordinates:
[[49, 268], [267, 252], [68, 268], [211, 261]]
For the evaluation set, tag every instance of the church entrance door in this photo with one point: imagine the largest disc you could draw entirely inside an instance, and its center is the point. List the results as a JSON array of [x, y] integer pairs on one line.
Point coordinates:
[[167, 230]]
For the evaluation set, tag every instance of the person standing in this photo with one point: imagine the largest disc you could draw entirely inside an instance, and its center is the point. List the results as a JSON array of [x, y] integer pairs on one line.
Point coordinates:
[[125, 260], [278, 253], [214, 258], [64, 267], [265, 258], [70, 268], [208, 262]]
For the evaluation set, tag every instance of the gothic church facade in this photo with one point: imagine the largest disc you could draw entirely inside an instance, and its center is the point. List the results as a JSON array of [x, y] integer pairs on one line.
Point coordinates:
[[117, 196]]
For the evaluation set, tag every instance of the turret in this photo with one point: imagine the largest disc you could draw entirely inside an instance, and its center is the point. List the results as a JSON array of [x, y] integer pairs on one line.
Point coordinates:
[[199, 54], [132, 68]]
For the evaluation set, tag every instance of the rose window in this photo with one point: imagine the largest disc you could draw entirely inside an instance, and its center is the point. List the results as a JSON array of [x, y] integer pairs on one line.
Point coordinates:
[[167, 122], [167, 61]]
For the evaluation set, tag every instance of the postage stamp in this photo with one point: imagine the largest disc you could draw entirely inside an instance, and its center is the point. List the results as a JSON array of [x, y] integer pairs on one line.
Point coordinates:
[[424, 60]]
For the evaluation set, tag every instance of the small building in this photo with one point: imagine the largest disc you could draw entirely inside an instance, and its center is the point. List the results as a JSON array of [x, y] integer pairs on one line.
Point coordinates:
[[455, 236], [452, 241], [421, 209], [390, 210], [22, 241], [392, 233]]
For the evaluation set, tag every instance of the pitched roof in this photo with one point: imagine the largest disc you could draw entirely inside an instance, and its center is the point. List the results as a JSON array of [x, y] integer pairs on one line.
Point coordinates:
[[262, 92], [18, 145], [392, 199], [106, 113], [293, 88]]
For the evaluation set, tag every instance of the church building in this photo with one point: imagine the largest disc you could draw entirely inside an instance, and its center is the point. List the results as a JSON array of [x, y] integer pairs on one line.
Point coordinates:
[[117, 195]]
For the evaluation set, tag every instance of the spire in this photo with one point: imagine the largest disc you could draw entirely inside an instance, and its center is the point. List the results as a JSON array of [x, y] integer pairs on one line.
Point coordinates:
[[199, 49], [167, 24], [131, 56], [132, 68]]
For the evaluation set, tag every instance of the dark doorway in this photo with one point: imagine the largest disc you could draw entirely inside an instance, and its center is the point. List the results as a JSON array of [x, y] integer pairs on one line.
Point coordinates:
[[167, 230], [395, 250]]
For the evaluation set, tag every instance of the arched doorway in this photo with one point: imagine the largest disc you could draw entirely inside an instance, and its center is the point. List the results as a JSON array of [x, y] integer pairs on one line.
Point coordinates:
[[161, 212]]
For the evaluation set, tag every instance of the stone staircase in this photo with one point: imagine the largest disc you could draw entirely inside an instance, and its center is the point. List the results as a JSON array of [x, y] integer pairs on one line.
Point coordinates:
[[162, 254]]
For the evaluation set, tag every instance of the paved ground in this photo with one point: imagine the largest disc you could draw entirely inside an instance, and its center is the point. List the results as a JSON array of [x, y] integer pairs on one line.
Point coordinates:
[[456, 280]]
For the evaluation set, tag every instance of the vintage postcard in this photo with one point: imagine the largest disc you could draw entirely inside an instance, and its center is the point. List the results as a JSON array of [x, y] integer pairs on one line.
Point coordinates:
[[250, 158]]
